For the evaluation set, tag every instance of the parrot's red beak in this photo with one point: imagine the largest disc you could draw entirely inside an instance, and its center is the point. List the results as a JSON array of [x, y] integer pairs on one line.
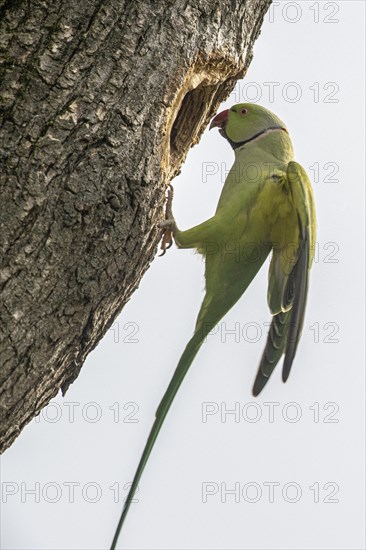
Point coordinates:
[[220, 120]]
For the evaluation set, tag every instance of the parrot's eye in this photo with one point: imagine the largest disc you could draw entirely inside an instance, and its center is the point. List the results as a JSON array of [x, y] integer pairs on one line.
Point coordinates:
[[243, 111]]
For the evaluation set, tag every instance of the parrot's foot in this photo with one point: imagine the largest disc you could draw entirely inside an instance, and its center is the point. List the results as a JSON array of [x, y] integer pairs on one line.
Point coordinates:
[[168, 224], [167, 240]]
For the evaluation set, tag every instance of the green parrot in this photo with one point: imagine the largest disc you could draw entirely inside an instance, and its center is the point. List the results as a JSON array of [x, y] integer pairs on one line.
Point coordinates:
[[266, 205]]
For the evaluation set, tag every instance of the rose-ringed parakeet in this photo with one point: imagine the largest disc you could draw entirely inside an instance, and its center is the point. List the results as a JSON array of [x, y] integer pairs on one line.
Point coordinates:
[[266, 206]]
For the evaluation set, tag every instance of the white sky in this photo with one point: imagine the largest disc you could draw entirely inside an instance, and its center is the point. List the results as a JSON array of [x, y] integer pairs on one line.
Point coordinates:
[[194, 461]]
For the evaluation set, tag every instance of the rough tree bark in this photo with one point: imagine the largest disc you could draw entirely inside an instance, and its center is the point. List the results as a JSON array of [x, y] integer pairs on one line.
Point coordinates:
[[100, 102]]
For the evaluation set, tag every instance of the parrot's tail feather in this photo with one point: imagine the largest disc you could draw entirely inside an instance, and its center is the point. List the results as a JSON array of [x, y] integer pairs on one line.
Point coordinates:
[[185, 362], [213, 308], [202, 330], [148, 448], [273, 351]]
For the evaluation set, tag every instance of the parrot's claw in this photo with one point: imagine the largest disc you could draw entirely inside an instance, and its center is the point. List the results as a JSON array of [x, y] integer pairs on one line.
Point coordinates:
[[167, 241], [168, 225]]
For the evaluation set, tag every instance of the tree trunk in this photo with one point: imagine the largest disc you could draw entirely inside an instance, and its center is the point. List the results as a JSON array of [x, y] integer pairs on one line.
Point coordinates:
[[100, 102]]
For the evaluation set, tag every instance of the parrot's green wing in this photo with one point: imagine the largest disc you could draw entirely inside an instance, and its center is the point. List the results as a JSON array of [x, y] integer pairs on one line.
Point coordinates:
[[289, 279], [273, 351]]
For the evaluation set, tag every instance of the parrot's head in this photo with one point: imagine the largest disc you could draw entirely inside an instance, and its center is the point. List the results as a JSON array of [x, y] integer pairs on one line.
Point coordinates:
[[245, 122]]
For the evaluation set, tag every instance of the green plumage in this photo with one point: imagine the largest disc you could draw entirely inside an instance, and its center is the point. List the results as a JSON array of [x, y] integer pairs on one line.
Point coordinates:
[[266, 205]]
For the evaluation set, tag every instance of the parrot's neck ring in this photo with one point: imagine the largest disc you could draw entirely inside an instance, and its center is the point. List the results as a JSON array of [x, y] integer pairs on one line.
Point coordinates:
[[236, 144]]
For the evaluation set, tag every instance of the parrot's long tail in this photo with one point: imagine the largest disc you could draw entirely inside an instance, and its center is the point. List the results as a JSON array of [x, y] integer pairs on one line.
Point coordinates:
[[202, 330]]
